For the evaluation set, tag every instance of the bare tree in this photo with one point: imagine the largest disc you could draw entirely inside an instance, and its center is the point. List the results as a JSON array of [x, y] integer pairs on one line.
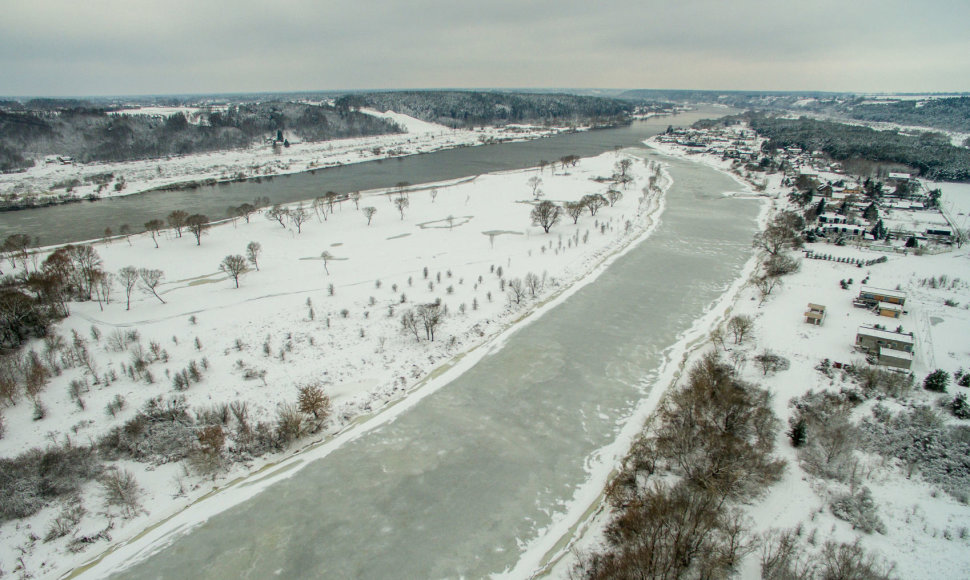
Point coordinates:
[[434, 194], [409, 323], [298, 216], [129, 278], [154, 227], [197, 224], [369, 213], [326, 257], [278, 213], [246, 211], [534, 283], [516, 290], [593, 202], [613, 196], [125, 230], [234, 266], [534, 182], [402, 202], [431, 316], [331, 197], [355, 197], [574, 209], [17, 245], [176, 220], [740, 325], [253, 249], [150, 279], [546, 214], [319, 207]]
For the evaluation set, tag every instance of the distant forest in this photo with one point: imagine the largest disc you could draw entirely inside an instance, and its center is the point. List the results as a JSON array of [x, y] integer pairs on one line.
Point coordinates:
[[930, 154], [459, 109], [92, 131], [952, 114], [85, 133]]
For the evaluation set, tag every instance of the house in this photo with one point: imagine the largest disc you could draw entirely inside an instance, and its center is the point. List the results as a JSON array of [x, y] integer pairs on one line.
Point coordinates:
[[832, 218], [900, 176], [877, 295], [815, 314], [894, 358], [824, 191], [871, 339]]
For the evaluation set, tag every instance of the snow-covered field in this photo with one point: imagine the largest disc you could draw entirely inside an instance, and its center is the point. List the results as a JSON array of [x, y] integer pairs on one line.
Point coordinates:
[[926, 528], [260, 160], [301, 319]]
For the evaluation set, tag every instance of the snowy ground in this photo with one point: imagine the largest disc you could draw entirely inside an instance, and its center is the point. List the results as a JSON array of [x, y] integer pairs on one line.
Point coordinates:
[[259, 160], [926, 528], [458, 242]]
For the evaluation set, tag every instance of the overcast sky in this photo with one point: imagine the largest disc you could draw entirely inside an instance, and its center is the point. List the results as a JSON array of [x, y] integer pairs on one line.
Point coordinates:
[[120, 47]]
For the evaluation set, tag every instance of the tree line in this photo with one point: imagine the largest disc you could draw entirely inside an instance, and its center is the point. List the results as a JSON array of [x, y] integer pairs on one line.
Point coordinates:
[[88, 133]]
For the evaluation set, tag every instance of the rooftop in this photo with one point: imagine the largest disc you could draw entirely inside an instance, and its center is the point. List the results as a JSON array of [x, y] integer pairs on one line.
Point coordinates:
[[886, 334]]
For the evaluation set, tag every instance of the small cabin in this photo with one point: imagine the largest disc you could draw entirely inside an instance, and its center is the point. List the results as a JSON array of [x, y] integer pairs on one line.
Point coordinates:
[[889, 309], [815, 314]]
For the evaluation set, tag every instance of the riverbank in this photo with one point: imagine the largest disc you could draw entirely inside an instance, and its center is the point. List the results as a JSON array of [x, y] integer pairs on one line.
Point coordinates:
[[464, 243], [924, 527], [56, 183]]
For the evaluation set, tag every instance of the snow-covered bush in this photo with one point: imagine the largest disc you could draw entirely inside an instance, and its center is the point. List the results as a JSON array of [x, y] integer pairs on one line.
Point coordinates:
[[33, 478], [922, 441], [161, 432], [859, 510]]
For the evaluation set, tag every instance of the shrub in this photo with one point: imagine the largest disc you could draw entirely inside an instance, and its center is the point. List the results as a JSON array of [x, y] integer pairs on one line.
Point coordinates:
[[959, 407], [33, 478], [291, 424], [859, 510], [161, 432], [121, 491], [312, 401], [936, 381]]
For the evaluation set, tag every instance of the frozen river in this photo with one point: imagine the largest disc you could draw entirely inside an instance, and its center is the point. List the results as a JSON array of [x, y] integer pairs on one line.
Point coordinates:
[[466, 479]]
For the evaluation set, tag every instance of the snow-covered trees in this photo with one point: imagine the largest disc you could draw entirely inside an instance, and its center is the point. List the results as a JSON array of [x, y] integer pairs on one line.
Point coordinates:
[[279, 214], [546, 214], [235, 266], [427, 317], [574, 209], [937, 381], [369, 213], [298, 216], [253, 250]]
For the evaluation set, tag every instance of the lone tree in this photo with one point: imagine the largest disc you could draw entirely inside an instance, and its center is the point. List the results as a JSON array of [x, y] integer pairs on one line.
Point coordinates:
[[125, 230], [402, 202], [128, 276], [326, 257], [234, 266], [176, 220], [150, 279], [355, 197], [253, 249], [369, 213], [546, 214], [197, 224], [593, 202], [154, 227]]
